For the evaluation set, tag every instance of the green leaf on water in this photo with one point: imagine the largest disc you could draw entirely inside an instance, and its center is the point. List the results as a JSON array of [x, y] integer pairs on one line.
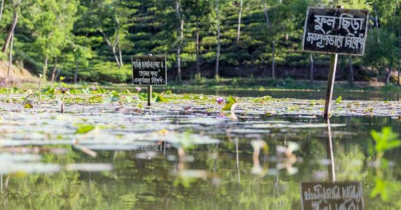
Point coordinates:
[[230, 103], [338, 100], [28, 106], [63, 84], [160, 98], [129, 99], [168, 92], [84, 128], [143, 96], [262, 99]]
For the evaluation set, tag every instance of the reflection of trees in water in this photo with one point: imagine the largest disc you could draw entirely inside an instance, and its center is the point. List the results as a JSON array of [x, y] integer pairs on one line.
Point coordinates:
[[349, 162], [148, 184], [137, 183]]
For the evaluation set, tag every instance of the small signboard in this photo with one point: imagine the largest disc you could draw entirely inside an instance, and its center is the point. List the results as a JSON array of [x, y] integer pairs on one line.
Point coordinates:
[[335, 31], [149, 70], [332, 196]]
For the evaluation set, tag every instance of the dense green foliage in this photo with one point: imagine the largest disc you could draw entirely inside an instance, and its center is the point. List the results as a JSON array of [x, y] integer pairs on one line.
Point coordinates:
[[93, 40]]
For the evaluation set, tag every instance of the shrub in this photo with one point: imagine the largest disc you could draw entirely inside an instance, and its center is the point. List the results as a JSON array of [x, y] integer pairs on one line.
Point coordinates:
[[109, 72]]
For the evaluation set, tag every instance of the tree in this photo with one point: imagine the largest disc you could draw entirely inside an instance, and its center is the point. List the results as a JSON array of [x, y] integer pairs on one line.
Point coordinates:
[[218, 39], [1, 9], [81, 56], [239, 20], [16, 4], [380, 53], [277, 24], [51, 21], [110, 18], [197, 11], [180, 31]]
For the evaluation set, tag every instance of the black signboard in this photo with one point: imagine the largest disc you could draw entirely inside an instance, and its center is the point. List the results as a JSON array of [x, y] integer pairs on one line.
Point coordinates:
[[335, 31], [332, 196], [149, 70]]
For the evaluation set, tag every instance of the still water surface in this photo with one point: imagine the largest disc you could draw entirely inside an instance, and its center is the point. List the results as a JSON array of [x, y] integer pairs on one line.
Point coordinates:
[[315, 94], [252, 166]]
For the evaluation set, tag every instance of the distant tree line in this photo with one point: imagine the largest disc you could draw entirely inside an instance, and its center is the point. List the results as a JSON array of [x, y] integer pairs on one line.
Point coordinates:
[[92, 40]]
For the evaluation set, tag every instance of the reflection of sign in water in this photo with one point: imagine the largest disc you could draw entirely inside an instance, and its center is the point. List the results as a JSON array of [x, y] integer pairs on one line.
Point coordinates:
[[332, 196], [149, 70], [340, 31]]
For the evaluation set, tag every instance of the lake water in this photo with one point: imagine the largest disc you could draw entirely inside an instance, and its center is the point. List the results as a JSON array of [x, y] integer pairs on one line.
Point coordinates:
[[298, 94], [315, 94], [195, 161]]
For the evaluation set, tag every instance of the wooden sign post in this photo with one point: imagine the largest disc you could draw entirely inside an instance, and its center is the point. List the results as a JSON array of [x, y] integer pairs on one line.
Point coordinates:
[[335, 31], [149, 70]]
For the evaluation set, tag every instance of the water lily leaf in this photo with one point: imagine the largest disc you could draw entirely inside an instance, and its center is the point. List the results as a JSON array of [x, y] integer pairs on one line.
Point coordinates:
[[160, 98], [63, 84], [129, 99], [84, 128], [263, 99], [230, 103], [338, 100], [28, 106]]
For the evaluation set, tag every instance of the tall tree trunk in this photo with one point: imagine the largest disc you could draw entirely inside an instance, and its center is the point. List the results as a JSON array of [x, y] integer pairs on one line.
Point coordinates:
[[10, 57], [121, 56], [119, 49], [58, 73], [399, 74], [11, 31], [112, 46], [312, 66], [273, 61], [218, 40], [197, 49], [117, 44], [351, 70], [180, 30], [116, 57], [267, 16], [273, 43], [1, 9], [76, 72], [54, 69], [45, 68], [399, 53], [239, 20], [388, 76]]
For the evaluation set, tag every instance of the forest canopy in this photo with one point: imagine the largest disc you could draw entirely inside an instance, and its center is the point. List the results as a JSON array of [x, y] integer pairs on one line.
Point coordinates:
[[93, 40]]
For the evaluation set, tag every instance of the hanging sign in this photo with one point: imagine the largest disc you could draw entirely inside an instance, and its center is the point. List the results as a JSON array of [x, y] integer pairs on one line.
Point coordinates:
[[335, 31], [149, 70]]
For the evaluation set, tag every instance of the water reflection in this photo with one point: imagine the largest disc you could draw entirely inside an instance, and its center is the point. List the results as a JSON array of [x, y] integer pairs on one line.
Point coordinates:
[[240, 171], [330, 154]]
